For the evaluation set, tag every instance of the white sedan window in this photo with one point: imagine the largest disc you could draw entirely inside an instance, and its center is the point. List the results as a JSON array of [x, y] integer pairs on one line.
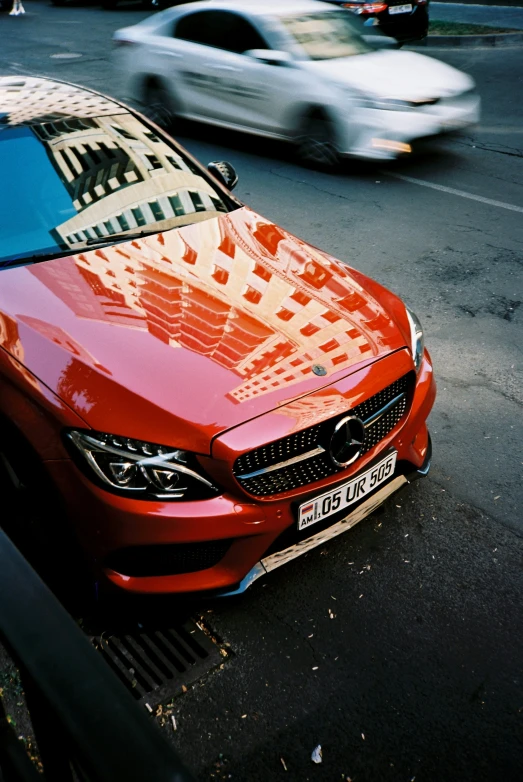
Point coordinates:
[[221, 30], [325, 36]]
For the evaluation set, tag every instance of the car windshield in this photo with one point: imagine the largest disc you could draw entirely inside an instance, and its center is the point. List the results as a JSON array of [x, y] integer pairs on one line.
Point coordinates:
[[74, 183], [326, 35]]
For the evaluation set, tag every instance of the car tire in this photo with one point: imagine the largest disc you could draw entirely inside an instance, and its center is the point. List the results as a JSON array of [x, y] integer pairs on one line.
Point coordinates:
[[316, 142], [159, 105], [38, 526]]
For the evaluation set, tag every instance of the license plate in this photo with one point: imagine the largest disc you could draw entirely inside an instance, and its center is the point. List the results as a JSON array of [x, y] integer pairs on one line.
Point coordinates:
[[333, 501], [400, 9]]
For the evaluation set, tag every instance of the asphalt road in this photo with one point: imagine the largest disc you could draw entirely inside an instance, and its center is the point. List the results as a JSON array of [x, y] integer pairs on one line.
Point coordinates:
[[418, 675], [495, 16]]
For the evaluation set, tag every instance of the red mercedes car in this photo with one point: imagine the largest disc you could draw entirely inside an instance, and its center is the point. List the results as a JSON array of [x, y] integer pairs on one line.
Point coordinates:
[[204, 395]]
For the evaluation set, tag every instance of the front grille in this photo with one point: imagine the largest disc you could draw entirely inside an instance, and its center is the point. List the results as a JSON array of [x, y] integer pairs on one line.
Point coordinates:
[[167, 560], [302, 473]]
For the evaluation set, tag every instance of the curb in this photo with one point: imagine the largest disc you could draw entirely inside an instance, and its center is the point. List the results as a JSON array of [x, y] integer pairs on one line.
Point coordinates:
[[485, 3], [463, 41]]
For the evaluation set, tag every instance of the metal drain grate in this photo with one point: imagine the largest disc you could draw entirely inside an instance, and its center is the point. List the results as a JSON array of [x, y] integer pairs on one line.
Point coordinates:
[[155, 664]]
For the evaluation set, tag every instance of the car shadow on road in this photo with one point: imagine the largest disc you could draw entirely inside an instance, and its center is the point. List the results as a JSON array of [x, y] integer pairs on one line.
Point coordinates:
[[428, 154]]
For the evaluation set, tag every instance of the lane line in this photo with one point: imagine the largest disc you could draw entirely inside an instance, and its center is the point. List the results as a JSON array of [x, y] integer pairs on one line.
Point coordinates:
[[453, 191], [497, 129]]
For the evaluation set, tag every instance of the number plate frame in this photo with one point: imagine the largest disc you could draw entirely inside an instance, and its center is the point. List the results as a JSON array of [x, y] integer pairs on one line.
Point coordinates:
[[400, 9], [352, 491]]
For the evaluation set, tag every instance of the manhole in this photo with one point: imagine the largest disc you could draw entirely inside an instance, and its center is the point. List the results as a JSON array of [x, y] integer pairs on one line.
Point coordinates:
[[154, 664]]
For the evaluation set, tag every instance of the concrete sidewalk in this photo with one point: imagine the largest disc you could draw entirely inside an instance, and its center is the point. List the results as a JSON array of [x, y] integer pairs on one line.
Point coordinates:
[[488, 15]]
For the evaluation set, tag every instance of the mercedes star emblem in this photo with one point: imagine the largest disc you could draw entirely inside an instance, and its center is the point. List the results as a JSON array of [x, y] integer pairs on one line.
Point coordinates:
[[346, 441]]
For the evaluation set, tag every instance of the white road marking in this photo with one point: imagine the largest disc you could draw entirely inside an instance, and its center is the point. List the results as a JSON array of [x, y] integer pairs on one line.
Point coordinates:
[[497, 129], [453, 191]]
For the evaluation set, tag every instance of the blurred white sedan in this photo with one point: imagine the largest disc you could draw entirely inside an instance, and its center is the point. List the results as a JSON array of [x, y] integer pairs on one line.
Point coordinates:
[[296, 70]]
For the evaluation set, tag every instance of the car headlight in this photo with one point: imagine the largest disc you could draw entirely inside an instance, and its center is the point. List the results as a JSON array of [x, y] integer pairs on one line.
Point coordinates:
[[394, 104], [417, 344], [145, 470], [365, 101]]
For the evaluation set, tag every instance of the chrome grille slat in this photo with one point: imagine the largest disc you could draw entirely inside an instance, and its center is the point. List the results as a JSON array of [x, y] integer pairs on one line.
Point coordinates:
[[301, 459]]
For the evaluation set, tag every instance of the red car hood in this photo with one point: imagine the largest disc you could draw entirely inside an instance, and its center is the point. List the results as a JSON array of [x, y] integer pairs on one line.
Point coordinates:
[[179, 336]]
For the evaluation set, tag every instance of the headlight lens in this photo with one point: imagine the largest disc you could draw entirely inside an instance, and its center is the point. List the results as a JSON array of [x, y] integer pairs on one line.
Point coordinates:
[[142, 469], [383, 104], [395, 104], [417, 340]]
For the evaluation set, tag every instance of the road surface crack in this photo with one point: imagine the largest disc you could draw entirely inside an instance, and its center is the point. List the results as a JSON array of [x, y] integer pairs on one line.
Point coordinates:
[[486, 383], [310, 184], [272, 615]]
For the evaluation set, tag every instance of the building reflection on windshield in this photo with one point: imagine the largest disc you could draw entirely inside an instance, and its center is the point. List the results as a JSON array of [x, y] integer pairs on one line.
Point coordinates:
[[105, 172], [122, 177]]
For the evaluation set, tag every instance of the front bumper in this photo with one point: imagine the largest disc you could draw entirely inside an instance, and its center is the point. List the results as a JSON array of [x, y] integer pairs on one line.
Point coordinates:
[[387, 134], [364, 509], [232, 528], [404, 28]]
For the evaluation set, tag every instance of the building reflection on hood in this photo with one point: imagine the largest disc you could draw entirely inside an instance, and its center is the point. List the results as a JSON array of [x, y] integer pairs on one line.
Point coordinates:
[[237, 290]]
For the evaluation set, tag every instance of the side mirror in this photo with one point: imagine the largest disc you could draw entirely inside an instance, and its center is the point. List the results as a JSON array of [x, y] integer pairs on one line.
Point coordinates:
[[270, 56], [224, 173]]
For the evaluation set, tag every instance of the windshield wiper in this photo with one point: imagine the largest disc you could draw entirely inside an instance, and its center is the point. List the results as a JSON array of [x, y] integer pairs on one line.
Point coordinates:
[[123, 235], [75, 248], [28, 259]]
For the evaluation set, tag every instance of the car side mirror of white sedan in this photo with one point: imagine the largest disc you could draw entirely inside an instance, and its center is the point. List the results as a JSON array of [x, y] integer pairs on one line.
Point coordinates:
[[270, 56]]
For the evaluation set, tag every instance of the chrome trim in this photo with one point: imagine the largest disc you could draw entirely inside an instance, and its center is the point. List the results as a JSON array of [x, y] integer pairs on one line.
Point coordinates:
[[274, 561], [385, 409], [301, 458], [281, 557], [252, 576]]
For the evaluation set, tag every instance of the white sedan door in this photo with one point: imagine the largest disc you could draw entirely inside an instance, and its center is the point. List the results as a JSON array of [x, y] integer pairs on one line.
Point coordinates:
[[222, 83]]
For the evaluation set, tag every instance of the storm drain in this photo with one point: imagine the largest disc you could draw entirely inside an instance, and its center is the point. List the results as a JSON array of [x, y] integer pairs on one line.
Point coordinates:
[[155, 664]]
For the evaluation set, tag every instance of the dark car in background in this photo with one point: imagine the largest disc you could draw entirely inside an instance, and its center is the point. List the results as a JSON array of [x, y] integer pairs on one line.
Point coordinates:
[[395, 18]]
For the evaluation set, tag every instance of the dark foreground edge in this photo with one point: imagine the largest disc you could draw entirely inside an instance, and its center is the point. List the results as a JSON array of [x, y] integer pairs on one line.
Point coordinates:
[[83, 717]]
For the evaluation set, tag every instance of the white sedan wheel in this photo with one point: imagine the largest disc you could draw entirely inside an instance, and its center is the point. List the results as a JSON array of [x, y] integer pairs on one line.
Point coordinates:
[[159, 105], [316, 144]]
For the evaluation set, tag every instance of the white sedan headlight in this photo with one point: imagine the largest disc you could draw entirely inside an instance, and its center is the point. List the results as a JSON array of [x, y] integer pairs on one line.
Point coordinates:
[[417, 344], [394, 104], [382, 104], [145, 470]]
